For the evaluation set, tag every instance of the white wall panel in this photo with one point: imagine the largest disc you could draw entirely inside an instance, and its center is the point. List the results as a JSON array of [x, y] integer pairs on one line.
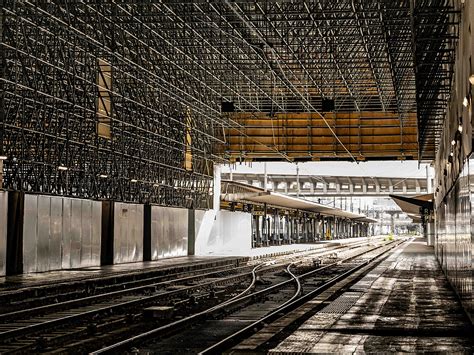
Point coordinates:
[[3, 230], [223, 233], [236, 232], [205, 240]]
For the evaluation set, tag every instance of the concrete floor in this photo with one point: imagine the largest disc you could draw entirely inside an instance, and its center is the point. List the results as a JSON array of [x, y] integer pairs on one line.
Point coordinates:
[[404, 305]]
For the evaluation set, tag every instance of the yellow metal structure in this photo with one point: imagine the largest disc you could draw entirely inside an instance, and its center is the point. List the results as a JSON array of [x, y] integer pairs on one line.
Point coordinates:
[[104, 103], [188, 161], [366, 135]]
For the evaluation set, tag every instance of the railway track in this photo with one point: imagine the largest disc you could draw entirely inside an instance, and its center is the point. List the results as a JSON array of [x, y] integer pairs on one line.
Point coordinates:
[[95, 318], [301, 306], [18, 297], [216, 327], [27, 294]]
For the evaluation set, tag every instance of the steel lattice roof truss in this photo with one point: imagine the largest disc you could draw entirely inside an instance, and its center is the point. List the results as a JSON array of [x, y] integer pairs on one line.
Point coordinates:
[[114, 92], [435, 30]]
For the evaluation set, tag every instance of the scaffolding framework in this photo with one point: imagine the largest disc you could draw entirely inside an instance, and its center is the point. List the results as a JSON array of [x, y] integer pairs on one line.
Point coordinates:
[[122, 100]]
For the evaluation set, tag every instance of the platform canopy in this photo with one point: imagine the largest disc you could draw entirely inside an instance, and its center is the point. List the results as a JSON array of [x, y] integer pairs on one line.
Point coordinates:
[[239, 192], [414, 206]]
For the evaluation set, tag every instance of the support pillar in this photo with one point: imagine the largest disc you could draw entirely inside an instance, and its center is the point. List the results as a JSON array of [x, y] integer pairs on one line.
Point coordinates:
[[191, 231], [429, 185], [147, 232], [107, 235], [217, 188], [431, 234], [265, 177], [15, 214], [298, 187]]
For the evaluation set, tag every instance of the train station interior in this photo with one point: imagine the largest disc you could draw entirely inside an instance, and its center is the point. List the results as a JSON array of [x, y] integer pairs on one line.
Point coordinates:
[[236, 177]]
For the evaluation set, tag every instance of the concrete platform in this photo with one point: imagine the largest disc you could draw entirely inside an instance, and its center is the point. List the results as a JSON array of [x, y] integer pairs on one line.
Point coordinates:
[[404, 305]]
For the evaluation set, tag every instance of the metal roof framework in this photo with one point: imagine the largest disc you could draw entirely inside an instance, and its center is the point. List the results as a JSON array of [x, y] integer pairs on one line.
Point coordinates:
[[173, 63]]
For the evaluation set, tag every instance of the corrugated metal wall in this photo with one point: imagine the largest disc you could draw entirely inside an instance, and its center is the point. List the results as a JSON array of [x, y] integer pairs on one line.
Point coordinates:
[[455, 236], [128, 232], [3, 231], [60, 233], [169, 232]]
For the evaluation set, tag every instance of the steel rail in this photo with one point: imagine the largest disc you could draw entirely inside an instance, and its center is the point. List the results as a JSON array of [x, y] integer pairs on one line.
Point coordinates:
[[129, 303], [160, 331], [257, 325]]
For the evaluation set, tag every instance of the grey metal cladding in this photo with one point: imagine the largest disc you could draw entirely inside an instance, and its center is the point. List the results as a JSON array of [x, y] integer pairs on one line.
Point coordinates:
[[455, 236], [76, 228], [463, 261], [182, 232], [60, 233], [169, 232], [29, 233], [135, 232], [117, 232], [128, 232], [3, 231], [55, 233], [96, 222], [157, 232], [86, 232], [67, 234], [43, 253], [155, 224]]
